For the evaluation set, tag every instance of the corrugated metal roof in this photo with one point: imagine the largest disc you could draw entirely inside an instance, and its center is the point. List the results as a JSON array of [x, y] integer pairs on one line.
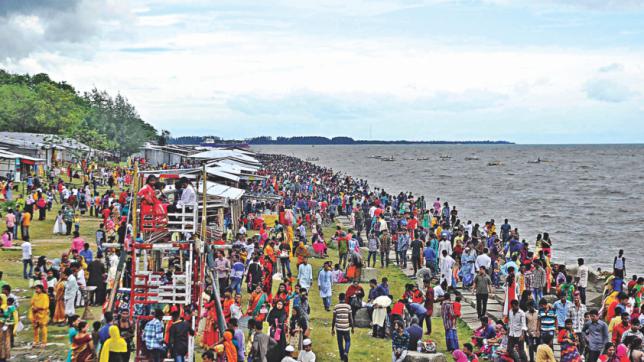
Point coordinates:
[[219, 190], [237, 166], [12, 155], [39, 140], [218, 171], [225, 154]]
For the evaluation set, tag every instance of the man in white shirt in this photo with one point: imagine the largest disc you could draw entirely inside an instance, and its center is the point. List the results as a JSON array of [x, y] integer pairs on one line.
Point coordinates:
[[444, 245], [307, 354], [469, 228], [71, 291], [483, 260], [517, 329], [305, 274], [26, 259], [445, 265], [372, 211], [582, 279], [79, 273], [188, 195], [289, 354]]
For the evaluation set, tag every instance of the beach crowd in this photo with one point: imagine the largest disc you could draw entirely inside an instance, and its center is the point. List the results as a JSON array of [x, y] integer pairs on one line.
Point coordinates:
[[265, 286]]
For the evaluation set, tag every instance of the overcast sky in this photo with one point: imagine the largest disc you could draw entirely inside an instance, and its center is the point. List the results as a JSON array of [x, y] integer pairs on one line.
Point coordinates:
[[548, 71]]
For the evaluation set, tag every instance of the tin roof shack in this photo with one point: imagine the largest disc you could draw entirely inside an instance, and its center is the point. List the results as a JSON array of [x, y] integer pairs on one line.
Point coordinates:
[[156, 155], [17, 166], [48, 147]]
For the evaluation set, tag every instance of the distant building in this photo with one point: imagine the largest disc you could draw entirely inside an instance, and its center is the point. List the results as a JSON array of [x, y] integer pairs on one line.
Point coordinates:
[[44, 150], [156, 155]]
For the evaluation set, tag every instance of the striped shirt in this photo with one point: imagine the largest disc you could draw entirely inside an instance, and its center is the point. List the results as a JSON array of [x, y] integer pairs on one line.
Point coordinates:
[[342, 316], [547, 319]]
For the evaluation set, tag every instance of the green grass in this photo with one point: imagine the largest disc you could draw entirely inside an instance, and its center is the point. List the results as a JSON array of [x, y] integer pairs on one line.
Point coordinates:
[[363, 346], [52, 246]]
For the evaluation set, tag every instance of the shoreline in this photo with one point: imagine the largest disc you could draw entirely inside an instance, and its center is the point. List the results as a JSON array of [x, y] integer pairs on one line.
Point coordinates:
[[596, 278], [374, 171]]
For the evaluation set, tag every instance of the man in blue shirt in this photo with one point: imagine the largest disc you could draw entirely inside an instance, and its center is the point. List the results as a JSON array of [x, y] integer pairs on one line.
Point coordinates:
[[401, 248], [104, 332], [86, 253], [505, 231], [417, 309], [383, 288], [488, 331], [430, 258], [561, 308], [153, 337]]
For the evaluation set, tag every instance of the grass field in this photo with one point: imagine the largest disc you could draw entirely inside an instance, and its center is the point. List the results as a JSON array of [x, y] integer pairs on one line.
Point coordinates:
[[363, 346], [52, 246]]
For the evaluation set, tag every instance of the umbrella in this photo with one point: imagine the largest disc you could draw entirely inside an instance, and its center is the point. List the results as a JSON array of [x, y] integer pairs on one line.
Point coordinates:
[[382, 301]]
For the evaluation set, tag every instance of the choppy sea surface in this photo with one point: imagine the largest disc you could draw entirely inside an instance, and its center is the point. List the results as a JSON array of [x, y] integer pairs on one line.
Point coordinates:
[[590, 198]]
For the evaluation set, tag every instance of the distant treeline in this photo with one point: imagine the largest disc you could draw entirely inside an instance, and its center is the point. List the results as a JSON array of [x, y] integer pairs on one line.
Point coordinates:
[[37, 104], [191, 140], [317, 140]]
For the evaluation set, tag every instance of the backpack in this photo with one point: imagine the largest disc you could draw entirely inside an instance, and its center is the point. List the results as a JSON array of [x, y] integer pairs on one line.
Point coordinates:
[[427, 346], [355, 302]]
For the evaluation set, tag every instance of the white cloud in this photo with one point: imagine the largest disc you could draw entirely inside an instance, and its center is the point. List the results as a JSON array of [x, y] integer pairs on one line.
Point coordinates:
[[607, 90], [190, 67]]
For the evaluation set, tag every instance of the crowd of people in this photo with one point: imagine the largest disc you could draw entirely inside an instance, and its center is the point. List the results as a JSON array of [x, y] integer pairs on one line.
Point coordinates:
[[264, 278]]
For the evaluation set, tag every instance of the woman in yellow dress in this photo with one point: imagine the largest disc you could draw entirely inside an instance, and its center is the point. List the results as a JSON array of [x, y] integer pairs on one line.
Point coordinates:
[[59, 294], [39, 316]]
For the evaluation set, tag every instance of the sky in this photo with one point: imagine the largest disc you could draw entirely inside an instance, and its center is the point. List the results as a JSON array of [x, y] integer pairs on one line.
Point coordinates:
[[548, 71]]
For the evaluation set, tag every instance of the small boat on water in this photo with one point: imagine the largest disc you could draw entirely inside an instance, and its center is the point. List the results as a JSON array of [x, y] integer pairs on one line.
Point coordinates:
[[376, 157], [471, 158], [539, 160], [422, 159], [388, 159], [312, 159], [445, 157], [494, 163]]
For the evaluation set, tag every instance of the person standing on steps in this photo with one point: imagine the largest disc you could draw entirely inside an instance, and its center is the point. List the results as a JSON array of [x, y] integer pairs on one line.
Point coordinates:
[[596, 332], [619, 265], [416, 249], [373, 244], [517, 329], [483, 288], [385, 246], [582, 279], [342, 323], [325, 285], [449, 323]]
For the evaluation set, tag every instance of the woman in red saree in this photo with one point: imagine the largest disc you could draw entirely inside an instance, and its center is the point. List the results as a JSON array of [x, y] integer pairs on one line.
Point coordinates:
[[268, 274], [82, 346], [257, 304], [152, 209], [227, 302], [511, 292], [210, 333]]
